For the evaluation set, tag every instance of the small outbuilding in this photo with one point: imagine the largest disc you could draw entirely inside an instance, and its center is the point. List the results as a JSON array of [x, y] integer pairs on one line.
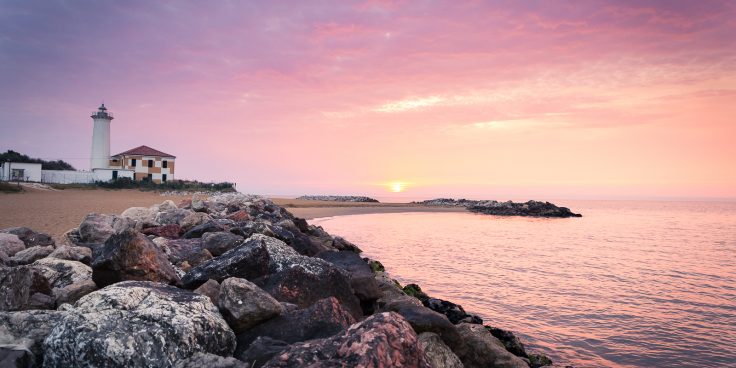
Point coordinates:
[[20, 171]]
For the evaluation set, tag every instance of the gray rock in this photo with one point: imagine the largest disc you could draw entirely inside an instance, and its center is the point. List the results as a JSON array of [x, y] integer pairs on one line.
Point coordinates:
[[97, 228], [143, 216], [29, 237], [484, 350], [137, 324], [244, 305], [180, 251], [362, 278], [322, 319], [438, 354], [11, 244], [172, 216], [130, 255], [25, 331], [30, 255], [207, 227], [61, 273], [220, 242], [24, 288], [193, 220], [73, 253], [4, 259], [73, 292], [248, 261], [425, 320], [167, 205], [381, 340], [262, 350], [210, 289], [14, 356], [206, 360]]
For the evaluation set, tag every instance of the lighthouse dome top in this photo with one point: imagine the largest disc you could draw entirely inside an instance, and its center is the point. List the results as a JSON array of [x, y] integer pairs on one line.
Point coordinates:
[[102, 113]]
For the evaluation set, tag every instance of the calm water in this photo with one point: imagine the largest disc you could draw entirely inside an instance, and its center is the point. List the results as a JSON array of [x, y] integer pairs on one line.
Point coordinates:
[[631, 284]]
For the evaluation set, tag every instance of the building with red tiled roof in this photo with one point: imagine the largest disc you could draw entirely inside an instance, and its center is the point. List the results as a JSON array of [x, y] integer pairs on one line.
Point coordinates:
[[146, 163]]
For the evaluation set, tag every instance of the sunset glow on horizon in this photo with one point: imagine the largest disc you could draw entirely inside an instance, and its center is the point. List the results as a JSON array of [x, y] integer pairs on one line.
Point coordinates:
[[500, 99]]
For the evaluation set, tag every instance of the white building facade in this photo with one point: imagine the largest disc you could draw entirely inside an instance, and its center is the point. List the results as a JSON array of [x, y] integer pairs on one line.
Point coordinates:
[[20, 171]]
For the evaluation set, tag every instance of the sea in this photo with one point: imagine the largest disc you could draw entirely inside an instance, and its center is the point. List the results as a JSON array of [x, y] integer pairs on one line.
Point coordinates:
[[630, 284]]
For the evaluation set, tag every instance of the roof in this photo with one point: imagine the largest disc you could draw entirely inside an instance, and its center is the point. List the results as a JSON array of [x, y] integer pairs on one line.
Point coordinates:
[[145, 151]]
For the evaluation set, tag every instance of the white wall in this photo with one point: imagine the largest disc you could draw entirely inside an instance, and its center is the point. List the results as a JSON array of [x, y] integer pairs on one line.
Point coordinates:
[[106, 174], [67, 177], [31, 172]]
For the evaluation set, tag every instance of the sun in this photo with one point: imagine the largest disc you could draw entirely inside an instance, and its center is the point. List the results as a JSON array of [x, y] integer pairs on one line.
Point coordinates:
[[397, 187]]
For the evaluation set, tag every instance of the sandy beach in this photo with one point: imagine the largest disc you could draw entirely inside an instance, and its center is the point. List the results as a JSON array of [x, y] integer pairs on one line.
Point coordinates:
[[56, 211]]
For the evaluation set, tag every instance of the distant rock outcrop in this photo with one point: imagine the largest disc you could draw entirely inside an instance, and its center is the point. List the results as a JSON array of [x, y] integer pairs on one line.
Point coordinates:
[[509, 208], [334, 198]]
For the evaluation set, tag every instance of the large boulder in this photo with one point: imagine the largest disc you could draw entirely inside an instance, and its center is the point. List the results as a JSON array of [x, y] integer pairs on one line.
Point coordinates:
[[260, 351], [137, 324], [218, 243], [509, 341], [438, 354], [73, 292], [484, 350], [244, 305], [29, 237], [382, 340], [207, 227], [324, 318], [194, 219], [425, 320], [61, 273], [30, 255], [130, 255], [180, 251], [172, 216], [454, 312], [25, 331], [248, 261], [362, 278], [4, 259], [23, 288], [73, 253], [97, 228], [210, 289], [143, 216], [11, 244]]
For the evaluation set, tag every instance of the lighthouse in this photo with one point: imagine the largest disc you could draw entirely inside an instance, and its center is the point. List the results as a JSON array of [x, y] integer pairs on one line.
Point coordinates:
[[100, 158]]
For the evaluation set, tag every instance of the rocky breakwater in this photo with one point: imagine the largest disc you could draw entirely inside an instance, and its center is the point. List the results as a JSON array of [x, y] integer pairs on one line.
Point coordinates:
[[228, 281], [508, 208], [331, 198]]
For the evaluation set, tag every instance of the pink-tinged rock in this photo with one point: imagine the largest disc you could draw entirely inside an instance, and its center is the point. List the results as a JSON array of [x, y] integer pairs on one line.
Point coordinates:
[[170, 231], [239, 216]]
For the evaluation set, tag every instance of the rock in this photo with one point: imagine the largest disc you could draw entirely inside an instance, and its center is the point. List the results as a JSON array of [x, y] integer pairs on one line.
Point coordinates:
[[130, 255], [375, 265], [73, 292], [415, 291], [210, 289], [362, 278], [438, 354], [11, 244], [179, 251], [244, 305], [61, 273], [261, 350], [97, 228], [382, 340], [484, 350], [24, 332], [199, 230], [30, 255], [137, 324], [170, 231], [193, 220], [248, 261], [29, 237], [167, 205], [143, 216], [341, 244], [172, 216], [206, 360], [539, 360], [198, 204], [392, 293], [454, 312], [425, 320], [73, 253], [334, 198], [220, 242], [239, 216], [4, 259], [509, 341], [322, 319], [16, 356], [23, 288]]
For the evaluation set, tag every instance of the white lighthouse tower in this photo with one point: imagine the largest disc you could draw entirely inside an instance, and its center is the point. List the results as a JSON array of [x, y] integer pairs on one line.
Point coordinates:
[[100, 158]]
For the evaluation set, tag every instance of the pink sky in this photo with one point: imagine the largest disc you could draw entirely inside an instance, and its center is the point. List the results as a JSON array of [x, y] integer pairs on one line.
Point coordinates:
[[500, 99]]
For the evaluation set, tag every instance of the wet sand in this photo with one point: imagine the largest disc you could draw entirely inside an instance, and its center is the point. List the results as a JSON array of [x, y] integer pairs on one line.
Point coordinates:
[[55, 212]]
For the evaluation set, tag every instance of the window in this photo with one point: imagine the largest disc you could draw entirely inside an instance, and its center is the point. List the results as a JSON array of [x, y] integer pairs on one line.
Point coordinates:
[[132, 162], [163, 176], [150, 163], [165, 164], [18, 174]]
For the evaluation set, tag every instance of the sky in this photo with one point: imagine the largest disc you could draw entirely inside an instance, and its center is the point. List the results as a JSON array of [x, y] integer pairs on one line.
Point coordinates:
[[477, 99]]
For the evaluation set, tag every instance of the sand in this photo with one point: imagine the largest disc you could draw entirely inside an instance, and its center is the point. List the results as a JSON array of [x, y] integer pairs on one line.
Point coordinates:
[[55, 212]]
